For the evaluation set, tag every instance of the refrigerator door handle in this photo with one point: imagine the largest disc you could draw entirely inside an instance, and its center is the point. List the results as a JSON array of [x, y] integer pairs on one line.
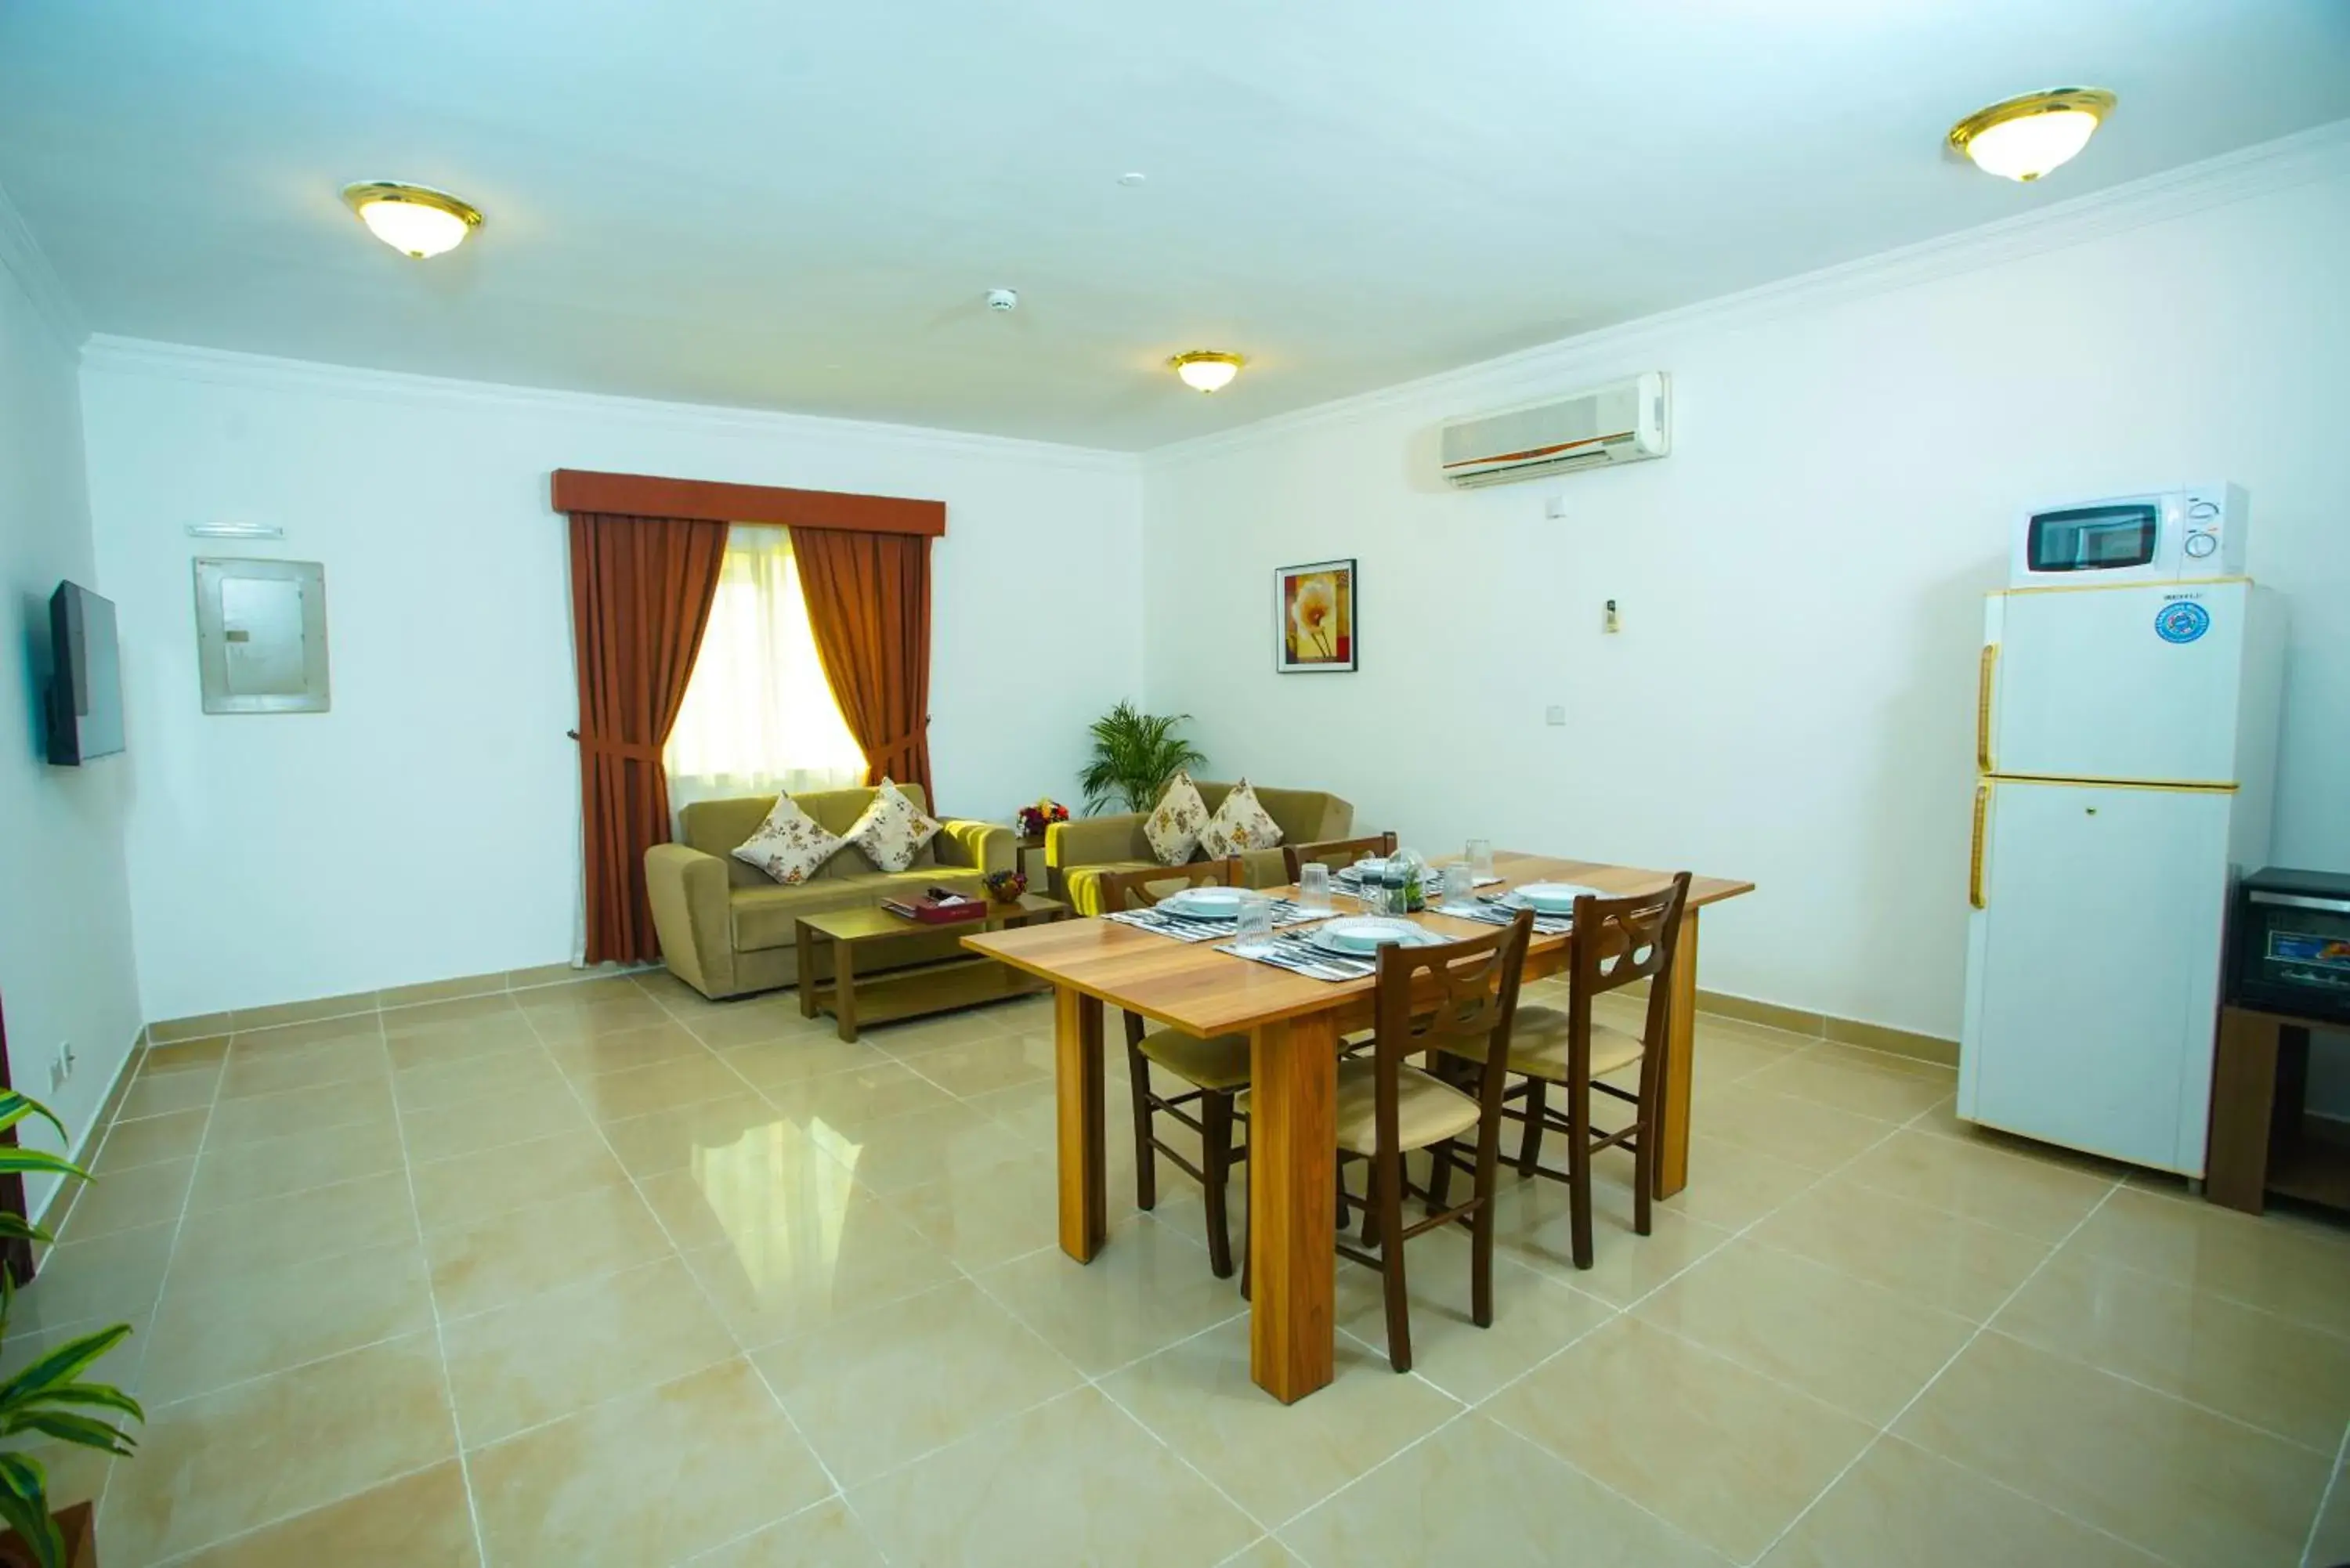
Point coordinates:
[[1983, 708], [1975, 860]]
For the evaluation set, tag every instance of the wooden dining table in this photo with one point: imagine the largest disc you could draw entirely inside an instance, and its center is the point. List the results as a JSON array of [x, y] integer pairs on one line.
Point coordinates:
[[1294, 1023]]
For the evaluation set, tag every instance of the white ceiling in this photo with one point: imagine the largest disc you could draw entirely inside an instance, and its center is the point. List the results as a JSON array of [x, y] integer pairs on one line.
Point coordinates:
[[799, 205]]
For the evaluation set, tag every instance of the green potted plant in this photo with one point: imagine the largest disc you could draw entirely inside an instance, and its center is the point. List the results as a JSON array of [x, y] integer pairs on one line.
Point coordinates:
[[1135, 753], [46, 1398]]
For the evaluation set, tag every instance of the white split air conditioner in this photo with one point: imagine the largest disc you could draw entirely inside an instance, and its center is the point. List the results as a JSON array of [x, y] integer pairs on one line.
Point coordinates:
[[1623, 422]]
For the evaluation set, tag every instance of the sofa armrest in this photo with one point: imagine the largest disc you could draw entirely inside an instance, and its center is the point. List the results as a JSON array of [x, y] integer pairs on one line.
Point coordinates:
[[1093, 840], [692, 914], [983, 847]]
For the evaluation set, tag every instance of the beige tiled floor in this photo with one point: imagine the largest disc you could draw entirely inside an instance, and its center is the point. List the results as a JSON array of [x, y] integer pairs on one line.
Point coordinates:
[[604, 1274]]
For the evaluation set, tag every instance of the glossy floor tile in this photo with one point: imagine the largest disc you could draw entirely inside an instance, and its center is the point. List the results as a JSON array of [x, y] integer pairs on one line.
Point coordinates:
[[607, 1273], [2177, 1480]]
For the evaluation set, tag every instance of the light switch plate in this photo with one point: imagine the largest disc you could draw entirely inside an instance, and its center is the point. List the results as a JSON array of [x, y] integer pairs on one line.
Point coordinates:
[[1555, 714]]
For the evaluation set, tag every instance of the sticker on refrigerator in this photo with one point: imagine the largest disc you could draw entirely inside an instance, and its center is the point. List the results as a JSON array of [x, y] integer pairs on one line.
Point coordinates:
[[2183, 620]]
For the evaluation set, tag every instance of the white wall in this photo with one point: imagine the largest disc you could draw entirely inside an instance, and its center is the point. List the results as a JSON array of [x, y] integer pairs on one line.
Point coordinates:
[[428, 826], [1791, 696], [66, 973]]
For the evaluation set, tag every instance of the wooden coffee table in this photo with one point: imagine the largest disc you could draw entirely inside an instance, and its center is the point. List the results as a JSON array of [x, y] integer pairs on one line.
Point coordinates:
[[918, 991]]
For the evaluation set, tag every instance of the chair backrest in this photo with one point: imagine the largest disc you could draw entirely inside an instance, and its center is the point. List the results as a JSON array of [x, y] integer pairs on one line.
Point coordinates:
[[1335, 853], [1476, 1000], [1616, 942], [1139, 889]]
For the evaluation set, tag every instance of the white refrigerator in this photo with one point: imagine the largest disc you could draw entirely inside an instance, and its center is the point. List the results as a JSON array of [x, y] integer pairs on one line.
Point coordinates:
[[2126, 739]]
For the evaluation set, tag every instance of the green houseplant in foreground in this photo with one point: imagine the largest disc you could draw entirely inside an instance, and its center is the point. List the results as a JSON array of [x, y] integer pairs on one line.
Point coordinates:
[[1135, 753], [45, 1399]]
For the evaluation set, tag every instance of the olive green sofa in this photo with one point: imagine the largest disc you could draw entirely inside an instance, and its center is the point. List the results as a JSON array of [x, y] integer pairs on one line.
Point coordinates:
[[726, 929], [1080, 852]]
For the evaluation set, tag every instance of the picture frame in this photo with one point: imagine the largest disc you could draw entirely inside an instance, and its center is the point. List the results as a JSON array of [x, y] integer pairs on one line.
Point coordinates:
[[1316, 628]]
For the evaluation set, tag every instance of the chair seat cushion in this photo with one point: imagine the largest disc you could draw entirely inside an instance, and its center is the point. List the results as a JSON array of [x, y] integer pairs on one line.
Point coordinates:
[[1427, 1112], [1538, 1045], [1219, 1062]]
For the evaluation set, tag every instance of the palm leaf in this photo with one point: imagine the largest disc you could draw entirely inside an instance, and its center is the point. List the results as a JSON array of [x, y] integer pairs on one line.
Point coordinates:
[[81, 1431], [1134, 756], [92, 1395], [24, 1509], [38, 1162], [59, 1366], [15, 1105]]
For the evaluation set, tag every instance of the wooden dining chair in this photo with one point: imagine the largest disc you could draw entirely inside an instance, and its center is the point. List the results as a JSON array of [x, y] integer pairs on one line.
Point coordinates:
[[1386, 1107], [1618, 941], [1335, 853], [1217, 1069]]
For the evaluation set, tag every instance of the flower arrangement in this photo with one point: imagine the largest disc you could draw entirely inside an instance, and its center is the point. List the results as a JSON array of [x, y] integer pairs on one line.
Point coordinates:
[[1034, 819], [1005, 887]]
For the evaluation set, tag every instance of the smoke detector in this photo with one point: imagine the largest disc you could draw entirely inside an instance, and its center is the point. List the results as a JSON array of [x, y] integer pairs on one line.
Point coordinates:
[[1002, 300]]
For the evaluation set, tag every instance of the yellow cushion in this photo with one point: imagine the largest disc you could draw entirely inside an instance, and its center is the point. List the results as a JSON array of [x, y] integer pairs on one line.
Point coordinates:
[[1427, 1112], [1219, 1063], [1084, 883], [1538, 1045]]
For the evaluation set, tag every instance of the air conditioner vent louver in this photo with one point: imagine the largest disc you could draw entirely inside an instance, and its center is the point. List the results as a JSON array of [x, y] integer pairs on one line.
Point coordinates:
[[1623, 422]]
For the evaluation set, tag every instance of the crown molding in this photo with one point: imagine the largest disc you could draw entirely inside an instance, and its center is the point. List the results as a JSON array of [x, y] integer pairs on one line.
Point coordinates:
[[2321, 153], [22, 254], [105, 354]]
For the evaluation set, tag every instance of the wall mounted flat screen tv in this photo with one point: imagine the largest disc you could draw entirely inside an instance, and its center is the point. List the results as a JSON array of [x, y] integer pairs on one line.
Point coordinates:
[[85, 679]]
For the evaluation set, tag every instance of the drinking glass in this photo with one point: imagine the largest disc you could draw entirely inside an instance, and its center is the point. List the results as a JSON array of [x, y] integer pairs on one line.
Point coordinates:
[[1480, 856], [1459, 886], [1314, 888], [1254, 920]]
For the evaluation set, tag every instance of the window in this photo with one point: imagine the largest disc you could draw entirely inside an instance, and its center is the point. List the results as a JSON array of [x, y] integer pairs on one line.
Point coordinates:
[[759, 715]]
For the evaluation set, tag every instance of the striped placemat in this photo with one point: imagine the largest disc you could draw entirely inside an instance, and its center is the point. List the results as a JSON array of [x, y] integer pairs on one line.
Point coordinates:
[[1166, 922]]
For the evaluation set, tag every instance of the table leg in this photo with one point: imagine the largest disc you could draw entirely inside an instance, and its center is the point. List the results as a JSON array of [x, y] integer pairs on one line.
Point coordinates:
[[1292, 1145], [1680, 1051], [807, 971], [1077, 1087], [844, 987]]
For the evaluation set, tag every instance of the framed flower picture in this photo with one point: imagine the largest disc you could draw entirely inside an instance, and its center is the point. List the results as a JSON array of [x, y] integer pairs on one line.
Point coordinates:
[[1316, 607]]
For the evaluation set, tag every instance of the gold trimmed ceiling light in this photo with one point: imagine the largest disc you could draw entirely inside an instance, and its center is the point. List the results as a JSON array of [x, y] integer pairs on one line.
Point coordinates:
[[2025, 136], [1205, 369], [413, 220]]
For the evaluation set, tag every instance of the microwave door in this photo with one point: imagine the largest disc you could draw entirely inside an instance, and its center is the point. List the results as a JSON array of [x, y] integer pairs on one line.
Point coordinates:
[[2104, 684]]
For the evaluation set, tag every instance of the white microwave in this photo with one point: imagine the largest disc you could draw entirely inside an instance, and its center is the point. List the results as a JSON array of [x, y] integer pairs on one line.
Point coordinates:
[[2157, 537]]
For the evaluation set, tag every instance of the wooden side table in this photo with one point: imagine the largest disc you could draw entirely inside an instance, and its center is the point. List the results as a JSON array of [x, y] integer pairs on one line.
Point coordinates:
[[2261, 1142], [1022, 847]]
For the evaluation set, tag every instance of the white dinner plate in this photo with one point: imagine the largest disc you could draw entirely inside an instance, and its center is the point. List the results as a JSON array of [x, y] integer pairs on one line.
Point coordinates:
[[1358, 936], [1370, 865], [1205, 903], [1550, 898]]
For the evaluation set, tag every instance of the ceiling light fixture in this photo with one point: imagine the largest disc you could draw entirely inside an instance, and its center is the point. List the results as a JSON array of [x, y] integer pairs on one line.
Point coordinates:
[[1207, 370], [2025, 136], [413, 220]]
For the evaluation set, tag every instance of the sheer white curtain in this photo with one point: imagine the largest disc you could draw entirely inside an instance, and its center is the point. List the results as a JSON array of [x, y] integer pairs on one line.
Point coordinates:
[[758, 716]]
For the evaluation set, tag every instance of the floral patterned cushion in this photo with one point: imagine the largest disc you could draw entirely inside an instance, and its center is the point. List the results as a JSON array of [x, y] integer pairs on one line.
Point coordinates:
[[1173, 828], [791, 846], [893, 829], [1240, 824]]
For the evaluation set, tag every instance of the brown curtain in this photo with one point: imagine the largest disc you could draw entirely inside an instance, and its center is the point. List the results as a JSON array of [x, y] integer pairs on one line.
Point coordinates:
[[869, 603], [641, 589]]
